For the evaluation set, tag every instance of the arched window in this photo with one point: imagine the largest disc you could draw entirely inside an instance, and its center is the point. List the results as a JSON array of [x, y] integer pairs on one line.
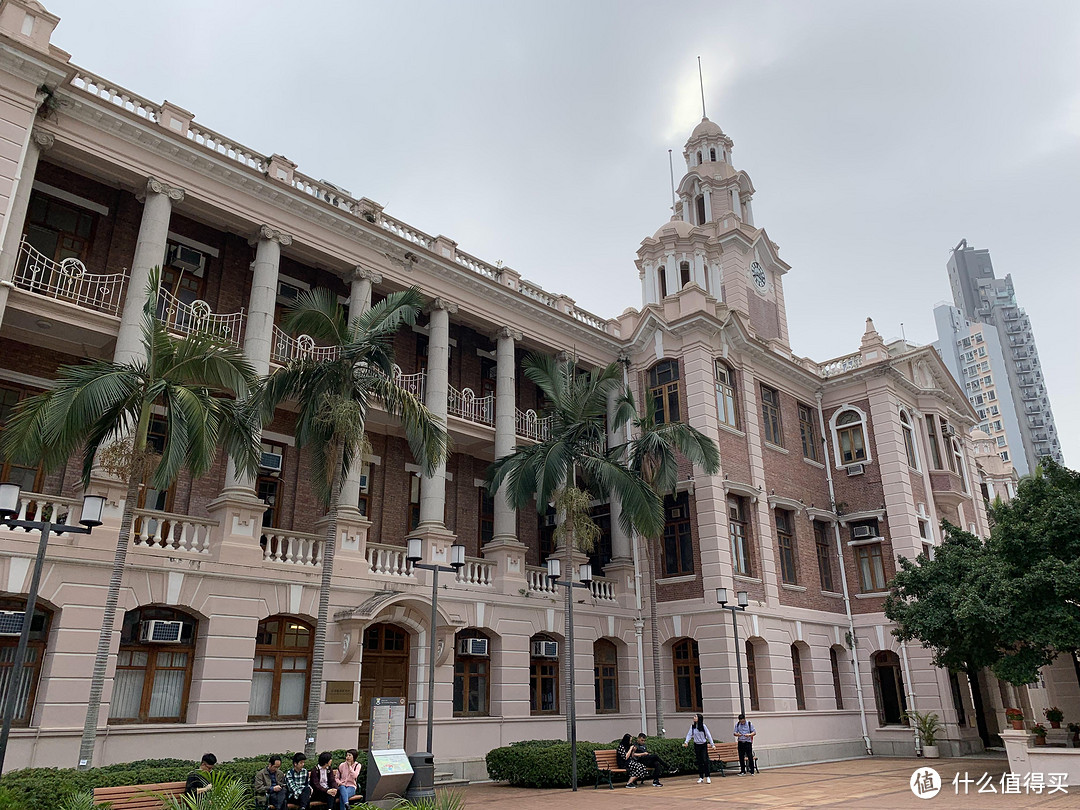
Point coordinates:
[[35, 653], [712, 155], [153, 666], [740, 537], [684, 267], [725, 395], [606, 676], [785, 539], [958, 460], [909, 439], [838, 693], [687, 676], [544, 675], [664, 390], [699, 207], [699, 158], [661, 273], [472, 665], [678, 547], [796, 671], [751, 677], [889, 689], [850, 437], [279, 682]]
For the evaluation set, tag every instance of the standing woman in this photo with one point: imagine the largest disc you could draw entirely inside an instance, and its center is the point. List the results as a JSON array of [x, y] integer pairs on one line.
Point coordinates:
[[623, 759], [348, 774], [702, 738]]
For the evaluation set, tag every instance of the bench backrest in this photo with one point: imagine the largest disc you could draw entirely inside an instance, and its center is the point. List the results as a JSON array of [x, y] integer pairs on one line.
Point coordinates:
[[137, 797], [606, 759], [724, 751]]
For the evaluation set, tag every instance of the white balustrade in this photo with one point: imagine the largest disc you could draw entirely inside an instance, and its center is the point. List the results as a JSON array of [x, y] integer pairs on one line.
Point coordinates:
[[286, 349], [116, 95], [538, 581], [478, 266], [531, 426], [537, 293], [841, 364], [388, 560], [587, 318], [406, 232], [54, 508], [153, 529], [467, 405], [221, 145], [292, 548], [197, 317], [603, 588], [413, 383], [477, 572], [67, 280]]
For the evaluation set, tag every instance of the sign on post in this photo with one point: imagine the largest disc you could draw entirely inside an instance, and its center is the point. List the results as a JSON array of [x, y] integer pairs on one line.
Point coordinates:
[[387, 724]]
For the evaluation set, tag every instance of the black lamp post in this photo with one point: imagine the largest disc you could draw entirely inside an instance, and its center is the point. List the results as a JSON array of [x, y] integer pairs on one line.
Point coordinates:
[[554, 572], [743, 601], [92, 507], [457, 559]]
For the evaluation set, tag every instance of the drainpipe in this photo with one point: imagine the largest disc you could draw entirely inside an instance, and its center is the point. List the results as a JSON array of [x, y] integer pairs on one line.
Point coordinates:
[[911, 697], [639, 622], [843, 580]]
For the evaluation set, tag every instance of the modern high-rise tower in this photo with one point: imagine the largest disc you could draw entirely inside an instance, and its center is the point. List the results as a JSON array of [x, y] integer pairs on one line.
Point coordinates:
[[980, 297]]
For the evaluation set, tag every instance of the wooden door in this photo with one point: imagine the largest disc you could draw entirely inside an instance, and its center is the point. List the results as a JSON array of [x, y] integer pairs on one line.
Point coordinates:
[[384, 671]]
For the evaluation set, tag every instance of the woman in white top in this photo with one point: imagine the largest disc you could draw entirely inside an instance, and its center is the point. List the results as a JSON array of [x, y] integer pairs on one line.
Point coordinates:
[[702, 738]]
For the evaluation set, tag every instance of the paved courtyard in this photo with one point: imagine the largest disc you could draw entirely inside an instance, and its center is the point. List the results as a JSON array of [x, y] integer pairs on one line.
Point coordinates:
[[875, 783]]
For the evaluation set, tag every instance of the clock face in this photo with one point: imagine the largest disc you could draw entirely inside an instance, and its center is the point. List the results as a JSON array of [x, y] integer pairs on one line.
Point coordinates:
[[758, 272]]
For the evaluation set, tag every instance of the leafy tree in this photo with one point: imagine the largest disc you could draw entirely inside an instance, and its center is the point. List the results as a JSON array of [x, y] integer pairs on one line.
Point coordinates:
[[198, 382], [654, 456], [334, 398], [575, 450]]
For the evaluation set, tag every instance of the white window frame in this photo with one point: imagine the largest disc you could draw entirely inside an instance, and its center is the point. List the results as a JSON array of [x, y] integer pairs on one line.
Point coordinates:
[[863, 423], [907, 421]]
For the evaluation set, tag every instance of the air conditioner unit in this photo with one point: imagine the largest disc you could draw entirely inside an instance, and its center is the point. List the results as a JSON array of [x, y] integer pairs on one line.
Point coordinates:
[[363, 483], [161, 632], [473, 646], [288, 292], [11, 622], [862, 532], [948, 430], [855, 469], [545, 649], [184, 258], [271, 462]]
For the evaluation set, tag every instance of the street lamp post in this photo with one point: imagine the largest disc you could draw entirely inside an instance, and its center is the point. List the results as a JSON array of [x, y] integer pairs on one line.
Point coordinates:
[[10, 495], [743, 601], [457, 559], [554, 572]]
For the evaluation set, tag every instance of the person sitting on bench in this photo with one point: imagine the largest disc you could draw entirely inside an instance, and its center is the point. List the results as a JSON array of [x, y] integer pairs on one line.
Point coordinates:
[[270, 784], [649, 760], [296, 782]]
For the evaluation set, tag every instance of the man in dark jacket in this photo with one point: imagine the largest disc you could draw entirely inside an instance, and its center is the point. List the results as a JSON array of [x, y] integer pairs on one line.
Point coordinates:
[[197, 783], [270, 784]]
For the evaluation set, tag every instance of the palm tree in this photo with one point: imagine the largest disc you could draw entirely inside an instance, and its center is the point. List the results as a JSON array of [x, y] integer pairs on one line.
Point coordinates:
[[654, 455], [199, 384], [576, 448], [334, 396]]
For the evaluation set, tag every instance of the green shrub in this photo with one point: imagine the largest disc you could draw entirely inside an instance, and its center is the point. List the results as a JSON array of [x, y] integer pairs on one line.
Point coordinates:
[[12, 801]]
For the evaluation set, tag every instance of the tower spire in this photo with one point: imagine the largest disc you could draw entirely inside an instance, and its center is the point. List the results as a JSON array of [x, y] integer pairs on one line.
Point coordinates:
[[701, 81]]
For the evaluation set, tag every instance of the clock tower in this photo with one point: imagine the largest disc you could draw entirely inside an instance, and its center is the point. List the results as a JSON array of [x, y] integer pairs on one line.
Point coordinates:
[[712, 241]]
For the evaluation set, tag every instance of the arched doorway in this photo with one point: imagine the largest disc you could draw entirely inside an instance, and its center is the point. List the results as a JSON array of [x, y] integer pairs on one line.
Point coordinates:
[[889, 689], [384, 671]]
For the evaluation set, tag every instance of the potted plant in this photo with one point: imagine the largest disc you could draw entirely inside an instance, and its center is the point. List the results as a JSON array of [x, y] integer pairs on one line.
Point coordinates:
[[1039, 730], [929, 726], [1054, 715], [1016, 717]]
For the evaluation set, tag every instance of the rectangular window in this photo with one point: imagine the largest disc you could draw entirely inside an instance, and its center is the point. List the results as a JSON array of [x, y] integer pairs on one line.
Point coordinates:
[[770, 414], [664, 391], [544, 686], [29, 478], [786, 540], [935, 447], [740, 541], [487, 516], [414, 501], [678, 541], [807, 432], [725, 396], [751, 677], [824, 556], [796, 671], [871, 568], [838, 693], [991, 396]]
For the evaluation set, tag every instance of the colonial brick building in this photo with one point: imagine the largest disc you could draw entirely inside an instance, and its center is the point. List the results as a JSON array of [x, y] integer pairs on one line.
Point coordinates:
[[830, 470]]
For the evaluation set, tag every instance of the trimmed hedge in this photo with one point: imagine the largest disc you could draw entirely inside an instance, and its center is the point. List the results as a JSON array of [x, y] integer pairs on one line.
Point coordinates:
[[37, 788], [546, 763]]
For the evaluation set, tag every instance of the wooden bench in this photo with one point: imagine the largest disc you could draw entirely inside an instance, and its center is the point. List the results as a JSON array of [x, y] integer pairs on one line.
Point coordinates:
[[606, 764], [723, 753], [137, 797]]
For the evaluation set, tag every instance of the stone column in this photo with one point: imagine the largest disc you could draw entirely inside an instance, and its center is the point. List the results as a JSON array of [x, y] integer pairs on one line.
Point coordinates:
[[360, 283], [433, 487], [671, 274], [708, 204], [16, 215], [149, 253], [259, 323], [505, 426], [686, 209], [736, 209], [749, 211], [648, 292]]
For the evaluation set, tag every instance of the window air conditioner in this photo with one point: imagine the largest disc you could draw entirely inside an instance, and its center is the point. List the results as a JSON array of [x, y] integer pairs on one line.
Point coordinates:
[[161, 632], [676, 513], [185, 258], [862, 532], [271, 462], [288, 293], [11, 622], [855, 469], [948, 430], [473, 646], [545, 649], [363, 483]]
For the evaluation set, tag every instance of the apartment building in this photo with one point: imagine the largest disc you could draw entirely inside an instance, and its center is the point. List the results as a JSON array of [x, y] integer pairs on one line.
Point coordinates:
[[831, 470]]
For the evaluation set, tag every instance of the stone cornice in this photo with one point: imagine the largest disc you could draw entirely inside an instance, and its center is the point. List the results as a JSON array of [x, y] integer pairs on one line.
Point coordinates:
[[272, 234], [16, 61]]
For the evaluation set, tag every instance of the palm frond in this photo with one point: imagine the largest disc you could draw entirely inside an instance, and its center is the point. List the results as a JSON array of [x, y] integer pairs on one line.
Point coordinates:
[[318, 313]]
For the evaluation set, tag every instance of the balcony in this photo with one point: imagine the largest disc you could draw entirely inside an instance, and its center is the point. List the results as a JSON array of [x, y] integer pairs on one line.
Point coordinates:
[[68, 281], [947, 487], [182, 319], [286, 349]]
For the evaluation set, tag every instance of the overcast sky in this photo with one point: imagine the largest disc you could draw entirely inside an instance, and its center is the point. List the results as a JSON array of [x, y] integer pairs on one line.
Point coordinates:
[[877, 134]]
